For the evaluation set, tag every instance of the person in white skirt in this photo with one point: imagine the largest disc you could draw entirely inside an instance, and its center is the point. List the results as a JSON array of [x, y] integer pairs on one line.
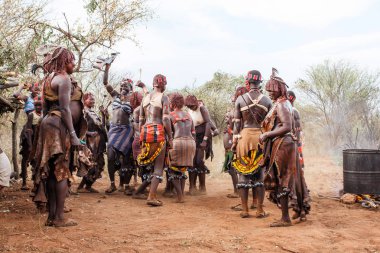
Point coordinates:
[[5, 170]]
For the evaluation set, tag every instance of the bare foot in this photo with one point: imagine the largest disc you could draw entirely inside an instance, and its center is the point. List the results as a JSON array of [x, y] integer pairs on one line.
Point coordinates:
[[49, 223], [154, 202], [91, 190], [303, 216], [244, 214], [129, 191], [139, 196], [261, 214], [281, 223], [295, 216], [111, 189], [64, 223], [25, 188]]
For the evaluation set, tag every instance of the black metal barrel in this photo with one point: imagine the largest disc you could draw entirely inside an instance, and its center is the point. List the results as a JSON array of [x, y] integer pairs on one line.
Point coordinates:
[[361, 171]]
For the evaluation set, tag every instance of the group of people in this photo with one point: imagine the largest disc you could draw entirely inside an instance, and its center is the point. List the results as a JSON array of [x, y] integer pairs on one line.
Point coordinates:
[[150, 133], [265, 135], [147, 133]]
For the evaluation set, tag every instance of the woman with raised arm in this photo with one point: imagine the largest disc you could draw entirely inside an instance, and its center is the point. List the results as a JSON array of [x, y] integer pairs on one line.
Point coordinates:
[[120, 135]]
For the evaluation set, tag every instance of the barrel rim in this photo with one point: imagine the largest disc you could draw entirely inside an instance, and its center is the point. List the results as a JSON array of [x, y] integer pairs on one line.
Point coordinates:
[[361, 151]]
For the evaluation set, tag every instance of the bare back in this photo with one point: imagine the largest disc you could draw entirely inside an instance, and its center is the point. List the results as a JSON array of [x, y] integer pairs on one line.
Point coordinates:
[[152, 108], [182, 124], [251, 108]]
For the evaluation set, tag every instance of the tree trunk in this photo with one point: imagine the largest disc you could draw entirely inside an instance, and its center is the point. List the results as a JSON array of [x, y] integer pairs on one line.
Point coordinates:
[[14, 143], [4, 102]]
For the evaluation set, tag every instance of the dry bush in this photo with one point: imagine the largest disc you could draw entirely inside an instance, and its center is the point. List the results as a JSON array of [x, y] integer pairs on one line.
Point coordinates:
[[339, 105]]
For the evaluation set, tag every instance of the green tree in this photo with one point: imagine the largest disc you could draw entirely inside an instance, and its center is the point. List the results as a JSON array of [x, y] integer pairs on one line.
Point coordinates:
[[18, 39], [23, 27], [217, 94], [106, 23]]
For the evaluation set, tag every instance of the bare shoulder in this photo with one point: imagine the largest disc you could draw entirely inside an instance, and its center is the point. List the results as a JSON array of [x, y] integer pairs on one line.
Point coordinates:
[[171, 116], [285, 105], [165, 98], [266, 101], [296, 113], [203, 108], [239, 100], [60, 79]]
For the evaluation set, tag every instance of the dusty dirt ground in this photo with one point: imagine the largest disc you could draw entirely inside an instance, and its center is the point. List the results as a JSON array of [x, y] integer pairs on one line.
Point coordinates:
[[118, 223]]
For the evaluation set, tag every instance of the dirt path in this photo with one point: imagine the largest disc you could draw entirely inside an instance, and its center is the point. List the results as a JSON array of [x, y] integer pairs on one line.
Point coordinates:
[[118, 223]]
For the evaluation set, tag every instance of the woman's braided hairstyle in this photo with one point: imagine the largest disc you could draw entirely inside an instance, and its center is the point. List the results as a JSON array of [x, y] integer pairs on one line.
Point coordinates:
[[59, 59], [276, 83]]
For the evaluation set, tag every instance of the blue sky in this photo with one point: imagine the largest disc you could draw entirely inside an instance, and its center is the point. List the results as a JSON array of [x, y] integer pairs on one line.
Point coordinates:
[[190, 40]]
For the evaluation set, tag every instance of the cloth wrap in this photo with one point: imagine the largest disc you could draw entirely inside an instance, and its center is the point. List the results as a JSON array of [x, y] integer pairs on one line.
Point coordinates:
[[200, 152], [25, 138], [96, 139], [52, 153], [249, 159], [152, 137], [120, 137], [282, 161], [280, 158], [299, 195], [5, 169], [83, 161], [181, 156]]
